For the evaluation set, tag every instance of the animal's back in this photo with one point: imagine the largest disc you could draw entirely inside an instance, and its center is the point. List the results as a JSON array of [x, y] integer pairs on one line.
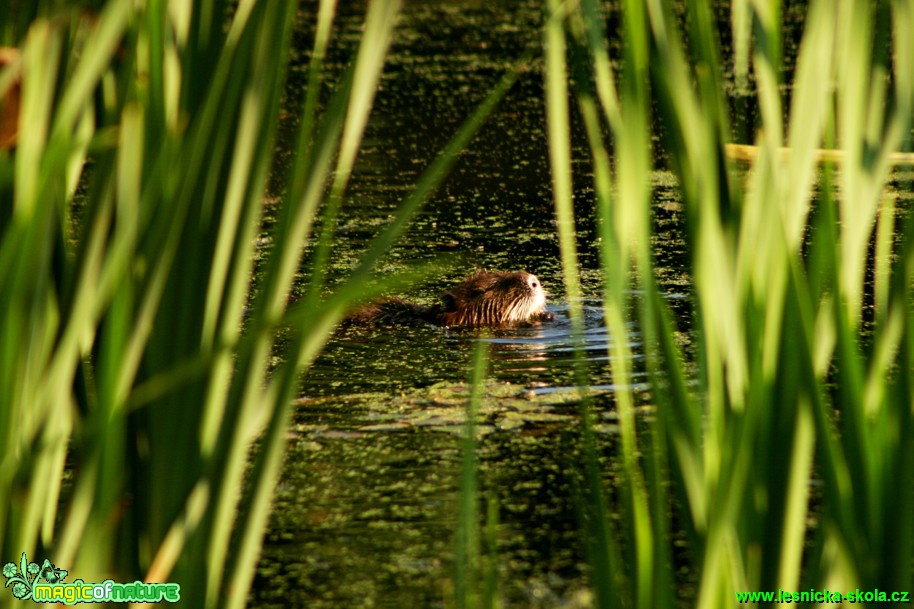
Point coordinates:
[[485, 299]]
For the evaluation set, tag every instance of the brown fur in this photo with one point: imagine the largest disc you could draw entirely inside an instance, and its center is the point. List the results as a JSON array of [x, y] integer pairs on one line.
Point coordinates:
[[392, 311], [493, 300], [486, 299], [9, 104]]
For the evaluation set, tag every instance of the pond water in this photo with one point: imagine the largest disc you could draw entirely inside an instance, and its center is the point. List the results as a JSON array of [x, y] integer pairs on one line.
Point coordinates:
[[366, 510]]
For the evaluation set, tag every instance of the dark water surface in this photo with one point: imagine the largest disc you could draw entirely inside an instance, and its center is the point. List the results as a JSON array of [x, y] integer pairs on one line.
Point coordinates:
[[366, 510]]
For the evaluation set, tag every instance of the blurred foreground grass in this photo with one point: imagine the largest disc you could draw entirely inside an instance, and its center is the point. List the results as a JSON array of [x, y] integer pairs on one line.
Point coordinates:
[[126, 377], [797, 409], [140, 434]]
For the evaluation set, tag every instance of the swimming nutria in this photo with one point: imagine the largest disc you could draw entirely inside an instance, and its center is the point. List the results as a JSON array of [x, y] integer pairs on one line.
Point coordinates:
[[487, 299]]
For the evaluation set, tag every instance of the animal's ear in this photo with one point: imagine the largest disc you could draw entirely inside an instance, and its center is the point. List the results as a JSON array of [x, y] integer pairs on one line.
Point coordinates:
[[449, 303], [484, 283]]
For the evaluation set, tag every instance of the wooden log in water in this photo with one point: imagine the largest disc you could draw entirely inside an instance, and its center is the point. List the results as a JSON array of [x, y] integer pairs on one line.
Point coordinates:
[[745, 152]]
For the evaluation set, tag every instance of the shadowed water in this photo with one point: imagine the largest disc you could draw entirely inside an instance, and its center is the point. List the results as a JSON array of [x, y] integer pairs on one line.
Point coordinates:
[[365, 513]]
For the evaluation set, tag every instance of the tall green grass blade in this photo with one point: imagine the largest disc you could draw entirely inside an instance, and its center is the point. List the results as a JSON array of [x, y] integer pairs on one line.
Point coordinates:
[[777, 316], [558, 128], [436, 172], [366, 75], [491, 597], [599, 543], [624, 236], [159, 278], [468, 555], [123, 352]]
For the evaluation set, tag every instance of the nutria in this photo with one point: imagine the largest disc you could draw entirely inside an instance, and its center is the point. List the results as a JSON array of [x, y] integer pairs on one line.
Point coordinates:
[[486, 299]]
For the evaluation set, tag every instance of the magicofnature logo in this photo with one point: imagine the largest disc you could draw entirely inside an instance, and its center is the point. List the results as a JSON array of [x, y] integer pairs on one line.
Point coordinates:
[[24, 577], [26, 582]]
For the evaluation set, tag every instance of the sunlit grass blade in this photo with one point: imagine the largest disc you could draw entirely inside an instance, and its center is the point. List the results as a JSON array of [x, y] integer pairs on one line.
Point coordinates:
[[557, 120], [468, 555], [776, 317], [599, 542], [625, 241], [365, 77]]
